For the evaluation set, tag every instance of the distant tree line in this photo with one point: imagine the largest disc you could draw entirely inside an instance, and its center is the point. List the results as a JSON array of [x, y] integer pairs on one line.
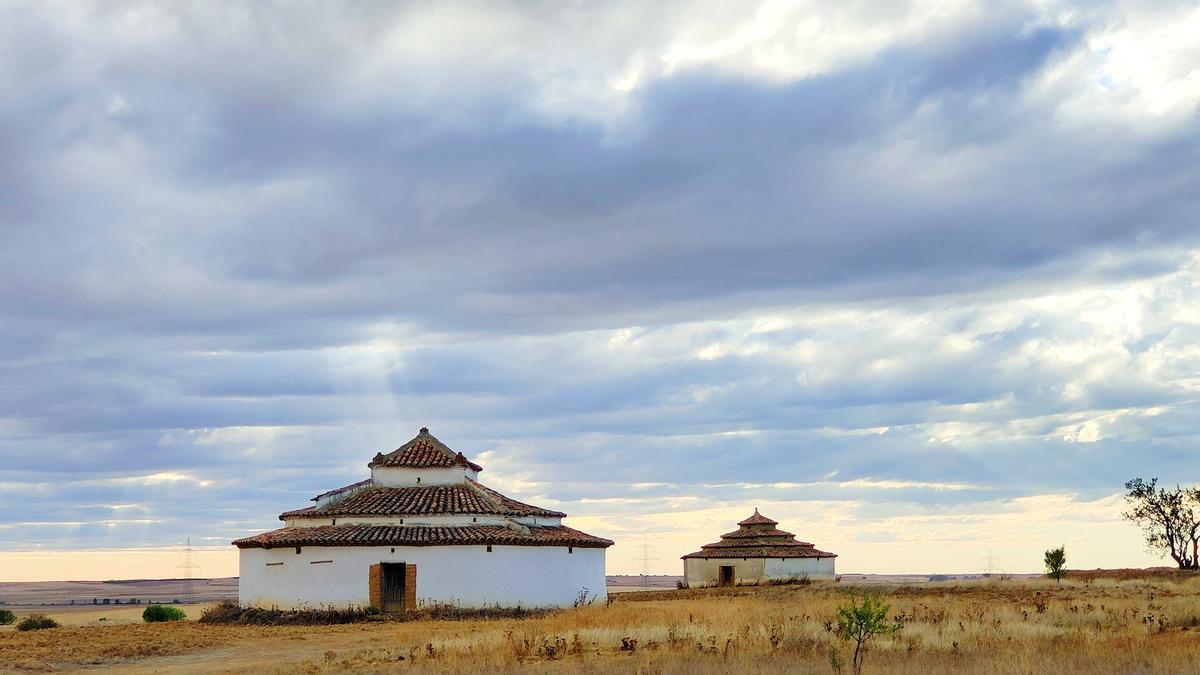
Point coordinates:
[[1169, 518]]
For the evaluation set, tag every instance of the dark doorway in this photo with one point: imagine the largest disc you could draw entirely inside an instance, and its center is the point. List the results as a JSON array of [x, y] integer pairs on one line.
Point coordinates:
[[726, 578], [392, 587]]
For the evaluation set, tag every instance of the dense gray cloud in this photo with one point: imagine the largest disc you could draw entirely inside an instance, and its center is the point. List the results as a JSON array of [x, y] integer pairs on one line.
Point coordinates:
[[922, 262]]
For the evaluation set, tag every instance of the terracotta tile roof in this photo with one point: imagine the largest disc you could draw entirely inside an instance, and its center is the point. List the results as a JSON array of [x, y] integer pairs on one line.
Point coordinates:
[[757, 537], [467, 498], [353, 486], [416, 535], [763, 552], [772, 534], [757, 542], [758, 519], [424, 451]]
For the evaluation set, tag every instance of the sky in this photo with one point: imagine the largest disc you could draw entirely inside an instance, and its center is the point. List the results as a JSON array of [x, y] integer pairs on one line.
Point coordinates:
[[919, 280]]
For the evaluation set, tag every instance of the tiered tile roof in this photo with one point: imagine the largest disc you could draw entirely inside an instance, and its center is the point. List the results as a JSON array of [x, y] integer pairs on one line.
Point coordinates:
[[757, 537], [772, 534], [467, 498], [758, 519], [424, 451], [404, 535]]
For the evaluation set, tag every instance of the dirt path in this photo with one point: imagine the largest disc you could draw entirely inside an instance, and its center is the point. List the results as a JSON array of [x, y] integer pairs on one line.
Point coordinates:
[[197, 648], [241, 658]]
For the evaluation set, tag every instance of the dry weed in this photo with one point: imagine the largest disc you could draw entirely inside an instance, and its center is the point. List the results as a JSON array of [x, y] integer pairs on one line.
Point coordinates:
[[1143, 625]]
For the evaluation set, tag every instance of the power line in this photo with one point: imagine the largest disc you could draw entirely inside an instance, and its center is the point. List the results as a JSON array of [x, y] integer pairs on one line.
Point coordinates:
[[187, 570], [645, 560], [990, 567]]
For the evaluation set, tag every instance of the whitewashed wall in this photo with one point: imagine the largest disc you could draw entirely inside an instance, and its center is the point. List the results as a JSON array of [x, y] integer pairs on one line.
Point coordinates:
[[468, 576], [814, 568], [706, 572], [393, 476]]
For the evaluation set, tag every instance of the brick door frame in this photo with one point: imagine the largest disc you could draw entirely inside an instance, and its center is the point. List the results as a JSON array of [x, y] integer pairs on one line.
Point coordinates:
[[375, 586]]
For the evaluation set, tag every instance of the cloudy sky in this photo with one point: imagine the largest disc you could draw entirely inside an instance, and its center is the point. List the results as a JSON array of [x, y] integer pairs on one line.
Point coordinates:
[[918, 279]]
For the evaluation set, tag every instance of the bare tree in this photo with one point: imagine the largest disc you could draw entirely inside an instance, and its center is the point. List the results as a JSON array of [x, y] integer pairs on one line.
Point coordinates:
[[1168, 518]]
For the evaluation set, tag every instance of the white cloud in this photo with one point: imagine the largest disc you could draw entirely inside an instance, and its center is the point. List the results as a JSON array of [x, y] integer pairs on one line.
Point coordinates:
[[890, 269], [165, 477]]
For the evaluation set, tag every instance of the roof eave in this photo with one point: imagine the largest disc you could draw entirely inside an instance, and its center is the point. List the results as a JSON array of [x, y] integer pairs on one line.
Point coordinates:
[[716, 556], [570, 538]]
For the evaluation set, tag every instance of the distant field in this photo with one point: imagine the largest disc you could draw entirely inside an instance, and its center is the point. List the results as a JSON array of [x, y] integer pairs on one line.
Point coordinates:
[[997, 625], [145, 591], [622, 583], [87, 615], [59, 593]]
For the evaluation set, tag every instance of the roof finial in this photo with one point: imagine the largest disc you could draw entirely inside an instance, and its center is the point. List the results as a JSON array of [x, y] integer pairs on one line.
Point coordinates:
[[425, 430]]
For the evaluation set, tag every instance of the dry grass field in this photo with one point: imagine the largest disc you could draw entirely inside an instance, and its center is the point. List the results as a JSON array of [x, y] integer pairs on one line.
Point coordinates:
[[82, 593], [993, 626], [95, 616]]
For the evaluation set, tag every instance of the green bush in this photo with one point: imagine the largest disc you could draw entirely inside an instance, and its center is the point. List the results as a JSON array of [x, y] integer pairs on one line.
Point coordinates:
[[155, 613], [1056, 560], [36, 622], [7, 617], [861, 619]]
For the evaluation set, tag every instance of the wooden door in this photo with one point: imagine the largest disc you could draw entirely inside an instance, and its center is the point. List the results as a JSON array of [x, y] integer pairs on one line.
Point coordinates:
[[726, 575], [392, 587]]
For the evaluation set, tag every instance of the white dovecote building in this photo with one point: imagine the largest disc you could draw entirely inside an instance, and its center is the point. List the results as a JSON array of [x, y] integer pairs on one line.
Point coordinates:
[[756, 552], [421, 530]]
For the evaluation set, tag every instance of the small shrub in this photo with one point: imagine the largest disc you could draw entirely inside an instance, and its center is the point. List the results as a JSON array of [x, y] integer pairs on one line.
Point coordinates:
[[7, 617], [156, 613], [1056, 561], [553, 648], [861, 619], [36, 622], [581, 598]]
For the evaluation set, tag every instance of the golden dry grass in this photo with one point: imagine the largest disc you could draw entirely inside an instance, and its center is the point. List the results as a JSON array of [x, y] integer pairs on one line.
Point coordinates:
[[87, 615], [991, 626]]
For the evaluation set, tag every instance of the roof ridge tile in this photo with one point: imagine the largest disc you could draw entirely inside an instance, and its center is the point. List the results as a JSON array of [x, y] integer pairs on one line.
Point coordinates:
[[423, 451]]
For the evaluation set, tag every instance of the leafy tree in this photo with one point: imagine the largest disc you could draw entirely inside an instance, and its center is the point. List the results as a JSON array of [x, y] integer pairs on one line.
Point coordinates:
[[1056, 560], [7, 617], [861, 619], [155, 613], [1168, 518]]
